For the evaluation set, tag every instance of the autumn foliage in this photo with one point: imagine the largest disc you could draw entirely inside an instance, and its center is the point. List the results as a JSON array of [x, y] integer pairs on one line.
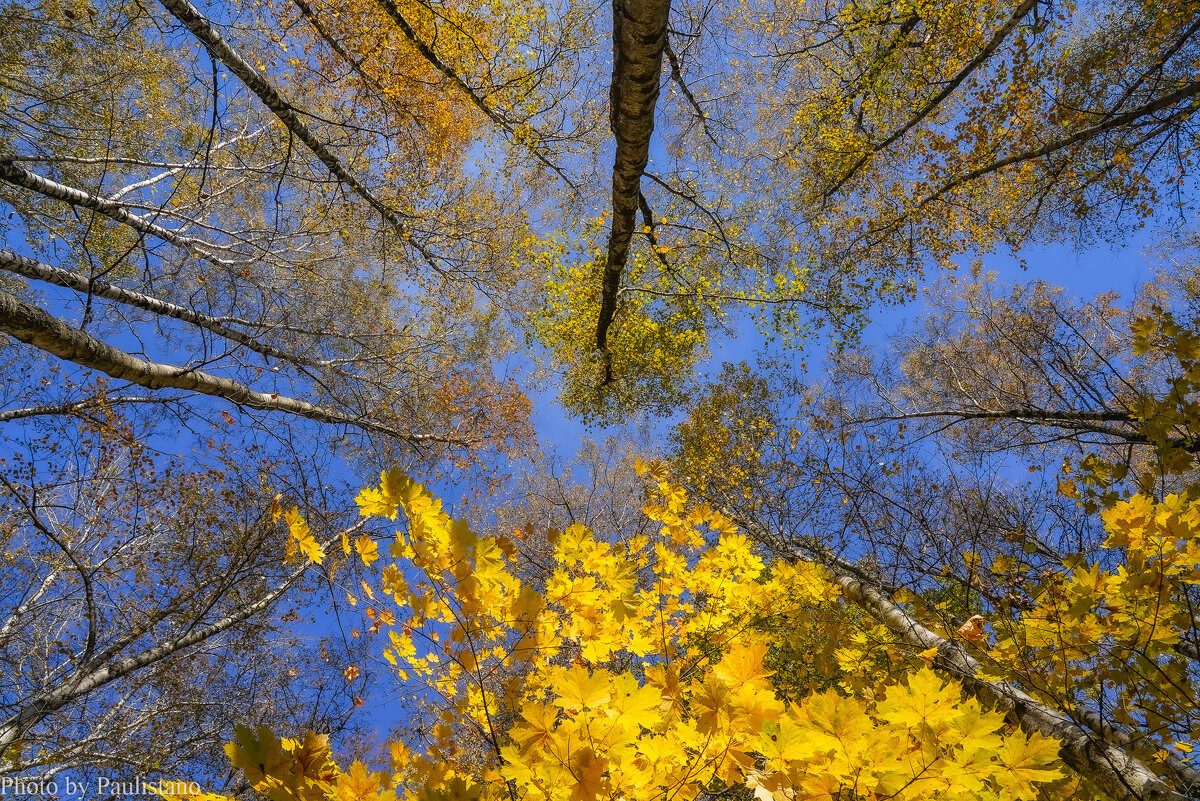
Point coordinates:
[[642, 669]]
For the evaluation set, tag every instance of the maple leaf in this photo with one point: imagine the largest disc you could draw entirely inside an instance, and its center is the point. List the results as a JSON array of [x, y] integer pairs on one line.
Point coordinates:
[[313, 757], [786, 740], [359, 784], [258, 756], [838, 725], [367, 549], [635, 704], [373, 503], [577, 689], [924, 699], [711, 704], [742, 664], [1029, 761], [540, 724], [588, 768], [302, 537]]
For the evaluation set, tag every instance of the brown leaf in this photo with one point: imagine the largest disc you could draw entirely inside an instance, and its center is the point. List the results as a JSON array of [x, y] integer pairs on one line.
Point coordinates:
[[972, 630]]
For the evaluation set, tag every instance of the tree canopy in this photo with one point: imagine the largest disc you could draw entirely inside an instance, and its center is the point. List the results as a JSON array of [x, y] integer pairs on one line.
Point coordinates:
[[260, 255]]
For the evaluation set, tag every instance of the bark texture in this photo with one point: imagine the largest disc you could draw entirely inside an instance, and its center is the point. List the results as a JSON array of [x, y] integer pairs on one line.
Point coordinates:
[[639, 39]]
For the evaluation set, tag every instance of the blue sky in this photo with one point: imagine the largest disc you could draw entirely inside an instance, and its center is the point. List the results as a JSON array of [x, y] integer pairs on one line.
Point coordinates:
[[1083, 271]]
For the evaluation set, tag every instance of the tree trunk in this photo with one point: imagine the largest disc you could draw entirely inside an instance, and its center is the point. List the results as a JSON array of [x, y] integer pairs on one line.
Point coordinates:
[[36, 327], [639, 38]]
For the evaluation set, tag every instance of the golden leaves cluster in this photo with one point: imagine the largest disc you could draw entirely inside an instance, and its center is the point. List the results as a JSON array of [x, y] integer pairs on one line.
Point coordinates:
[[1113, 629], [638, 670]]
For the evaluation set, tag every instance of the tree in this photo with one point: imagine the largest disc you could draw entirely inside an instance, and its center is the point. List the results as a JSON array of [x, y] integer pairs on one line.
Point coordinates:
[[906, 475], [646, 676], [325, 217], [823, 157], [228, 236], [146, 603], [281, 293]]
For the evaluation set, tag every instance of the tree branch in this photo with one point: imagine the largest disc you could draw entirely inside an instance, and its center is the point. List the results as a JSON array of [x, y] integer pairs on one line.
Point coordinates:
[[36, 327], [89, 680], [204, 31], [1186, 92], [1119, 774], [74, 408], [933, 103], [677, 76], [19, 176], [29, 268], [1081, 421], [436, 62]]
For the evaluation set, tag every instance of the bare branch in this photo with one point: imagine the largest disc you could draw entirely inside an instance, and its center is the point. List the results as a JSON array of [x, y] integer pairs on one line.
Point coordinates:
[[29, 268], [204, 31], [76, 407], [1186, 92], [18, 176], [36, 327], [90, 678]]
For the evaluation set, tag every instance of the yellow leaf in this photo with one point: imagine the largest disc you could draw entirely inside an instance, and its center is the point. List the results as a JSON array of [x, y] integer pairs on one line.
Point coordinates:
[[925, 699], [367, 549], [743, 664], [302, 537], [258, 756], [577, 689]]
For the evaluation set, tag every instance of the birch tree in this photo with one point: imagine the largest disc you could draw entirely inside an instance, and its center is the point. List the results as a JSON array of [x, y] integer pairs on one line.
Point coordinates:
[[146, 604]]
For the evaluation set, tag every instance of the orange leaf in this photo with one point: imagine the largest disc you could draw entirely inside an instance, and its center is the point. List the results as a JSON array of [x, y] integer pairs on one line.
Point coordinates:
[[972, 630]]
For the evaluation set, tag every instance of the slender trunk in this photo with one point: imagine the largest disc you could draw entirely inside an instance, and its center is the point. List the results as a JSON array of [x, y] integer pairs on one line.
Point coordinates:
[[89, 678], [36, 327], [639, 38]]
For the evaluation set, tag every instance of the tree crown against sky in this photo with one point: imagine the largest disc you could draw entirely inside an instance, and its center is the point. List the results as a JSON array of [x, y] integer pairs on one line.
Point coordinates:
[[257, 252]]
